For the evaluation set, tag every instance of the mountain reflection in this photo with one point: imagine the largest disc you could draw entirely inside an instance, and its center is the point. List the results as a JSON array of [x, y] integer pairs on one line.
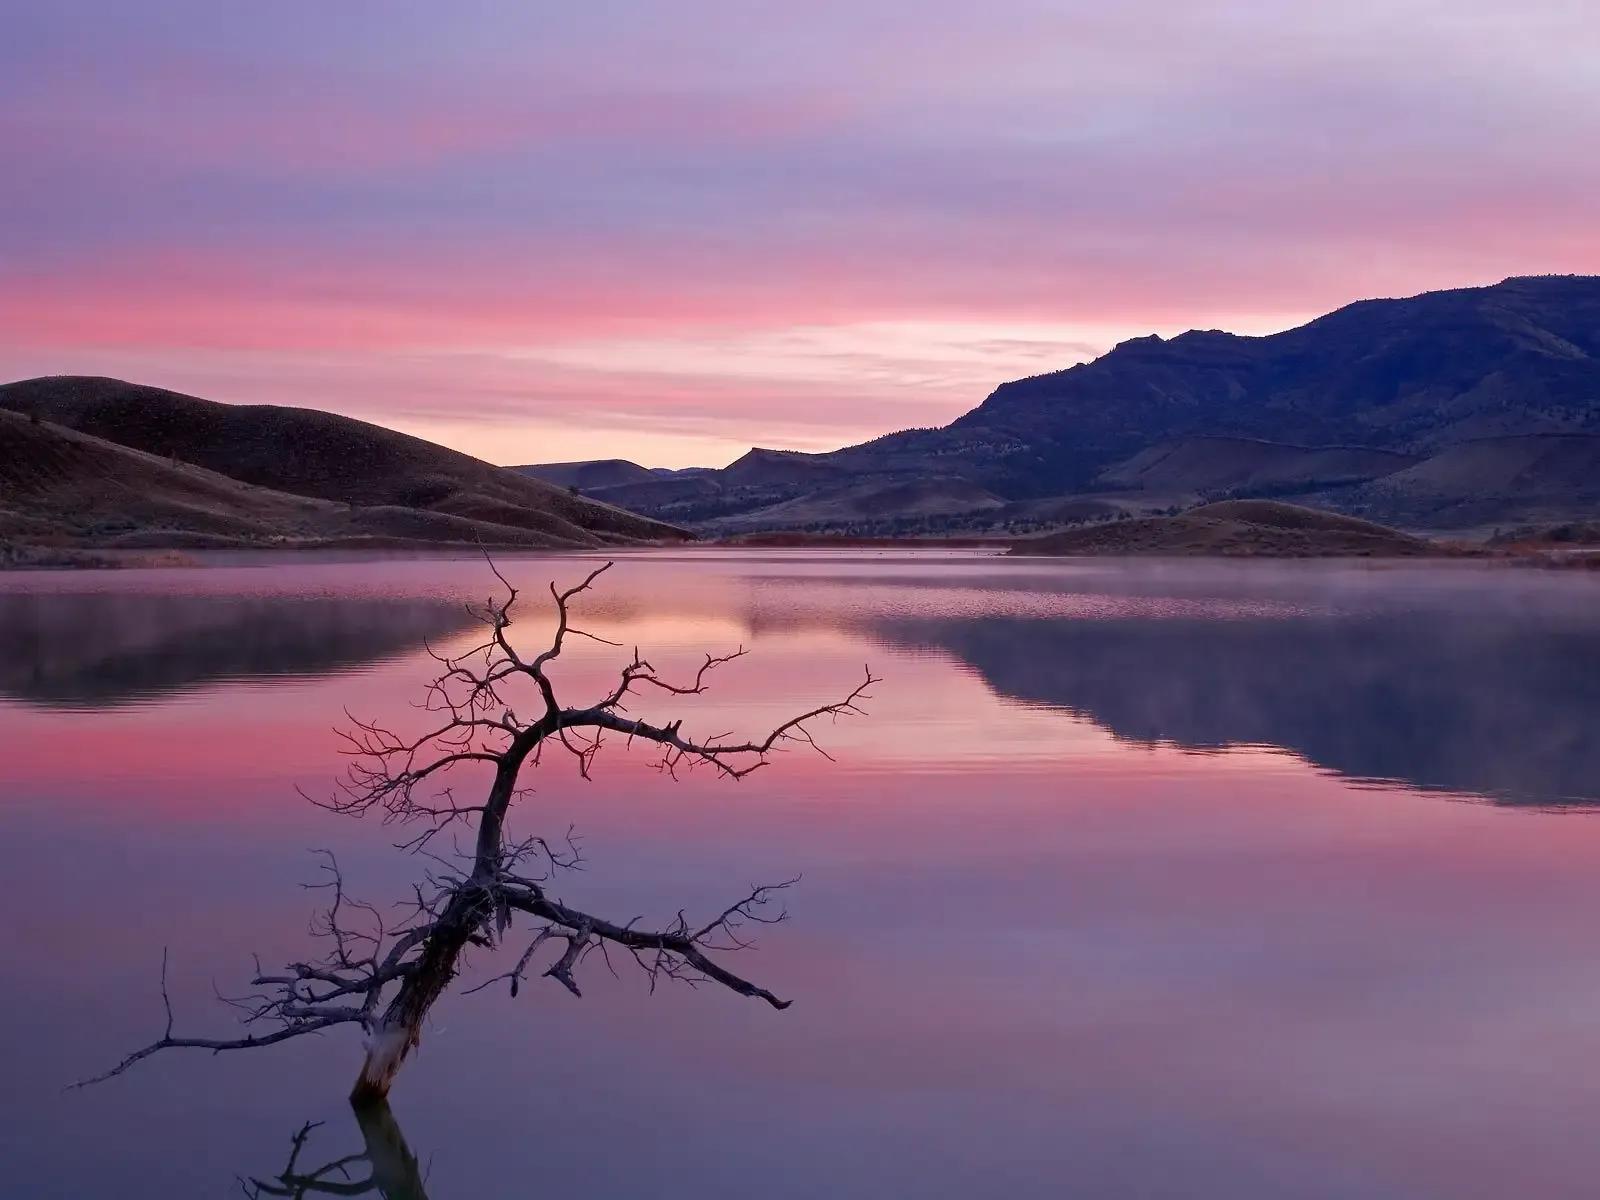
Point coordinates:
[[1437, 700], [105, 649]]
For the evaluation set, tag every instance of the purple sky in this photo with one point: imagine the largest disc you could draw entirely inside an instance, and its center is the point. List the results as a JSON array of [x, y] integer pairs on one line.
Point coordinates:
[[672, 231]]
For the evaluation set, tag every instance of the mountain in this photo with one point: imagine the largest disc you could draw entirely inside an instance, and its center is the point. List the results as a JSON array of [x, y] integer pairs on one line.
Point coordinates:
[[101, 450], [1368, 391], [1408, 375], [1475, 408]]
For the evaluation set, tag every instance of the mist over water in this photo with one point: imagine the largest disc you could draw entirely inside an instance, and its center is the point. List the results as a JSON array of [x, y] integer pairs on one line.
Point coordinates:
[[1146, 879]]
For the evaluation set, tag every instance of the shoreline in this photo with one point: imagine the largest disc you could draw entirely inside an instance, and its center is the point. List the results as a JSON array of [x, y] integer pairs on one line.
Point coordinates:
[[33, 558]]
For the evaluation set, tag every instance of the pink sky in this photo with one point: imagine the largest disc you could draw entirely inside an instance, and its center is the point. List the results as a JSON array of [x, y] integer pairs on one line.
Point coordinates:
[[669, 232]]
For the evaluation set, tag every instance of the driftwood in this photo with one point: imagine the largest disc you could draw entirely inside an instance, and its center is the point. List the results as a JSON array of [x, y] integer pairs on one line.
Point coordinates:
[[385, 980]]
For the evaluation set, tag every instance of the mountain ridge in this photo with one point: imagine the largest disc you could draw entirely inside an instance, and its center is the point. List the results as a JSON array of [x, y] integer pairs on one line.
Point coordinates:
[[1408, 377]]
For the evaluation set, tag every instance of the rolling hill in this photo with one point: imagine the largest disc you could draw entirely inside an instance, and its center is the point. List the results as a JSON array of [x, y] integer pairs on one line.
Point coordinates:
[[54, 481], [61, 487], [100, 450], [1248, 528]]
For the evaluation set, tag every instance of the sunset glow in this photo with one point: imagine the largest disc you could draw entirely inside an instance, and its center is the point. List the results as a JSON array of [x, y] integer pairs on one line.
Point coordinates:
[[542, 232]]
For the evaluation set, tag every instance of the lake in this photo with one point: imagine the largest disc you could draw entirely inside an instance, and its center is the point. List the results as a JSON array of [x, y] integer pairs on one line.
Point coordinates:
[[1144, 879]]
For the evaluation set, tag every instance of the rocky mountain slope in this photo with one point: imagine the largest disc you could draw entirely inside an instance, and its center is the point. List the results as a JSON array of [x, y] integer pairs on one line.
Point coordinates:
[[1540, 477], [1207, 464], [1366, 393]]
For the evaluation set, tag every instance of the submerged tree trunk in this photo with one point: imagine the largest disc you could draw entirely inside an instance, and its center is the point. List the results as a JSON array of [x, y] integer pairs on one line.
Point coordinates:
[[400, 1029]]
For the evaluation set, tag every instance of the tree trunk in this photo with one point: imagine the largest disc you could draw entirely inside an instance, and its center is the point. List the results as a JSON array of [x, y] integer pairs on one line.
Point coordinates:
[[398, 1033], [400, 1029]]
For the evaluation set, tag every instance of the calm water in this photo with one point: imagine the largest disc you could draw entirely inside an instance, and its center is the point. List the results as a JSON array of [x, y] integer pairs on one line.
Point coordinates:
[[1141, 880]]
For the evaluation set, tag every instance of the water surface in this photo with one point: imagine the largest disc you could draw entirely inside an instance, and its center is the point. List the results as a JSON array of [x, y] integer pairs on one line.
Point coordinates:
[[1150, 879]]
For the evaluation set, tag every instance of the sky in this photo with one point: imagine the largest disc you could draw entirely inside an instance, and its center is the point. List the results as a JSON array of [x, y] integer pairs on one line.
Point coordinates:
[[670, 231]]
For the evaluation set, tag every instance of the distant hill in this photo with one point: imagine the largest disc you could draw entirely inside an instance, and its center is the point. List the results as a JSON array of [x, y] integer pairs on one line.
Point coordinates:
[[1263, 528], [664, 492], [1324, 411], [863, 500], [761, 467], [590, 473], [1558, 537], [427, 492]]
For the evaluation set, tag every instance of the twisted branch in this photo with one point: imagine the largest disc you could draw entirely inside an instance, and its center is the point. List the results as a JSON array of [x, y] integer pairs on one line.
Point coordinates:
[[382, 979]]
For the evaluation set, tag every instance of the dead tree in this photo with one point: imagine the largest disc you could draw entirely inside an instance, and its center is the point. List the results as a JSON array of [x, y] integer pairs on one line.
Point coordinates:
[[386, 979]]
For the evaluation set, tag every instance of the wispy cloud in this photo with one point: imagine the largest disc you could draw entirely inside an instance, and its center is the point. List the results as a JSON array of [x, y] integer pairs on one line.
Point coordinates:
[[722, 223]]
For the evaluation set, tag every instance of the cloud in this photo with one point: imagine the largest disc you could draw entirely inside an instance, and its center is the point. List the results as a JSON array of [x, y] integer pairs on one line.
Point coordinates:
[[656, 197]]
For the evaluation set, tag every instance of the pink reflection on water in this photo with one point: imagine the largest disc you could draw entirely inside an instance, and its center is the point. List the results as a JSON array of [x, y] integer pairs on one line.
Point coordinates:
[[1022, 947]]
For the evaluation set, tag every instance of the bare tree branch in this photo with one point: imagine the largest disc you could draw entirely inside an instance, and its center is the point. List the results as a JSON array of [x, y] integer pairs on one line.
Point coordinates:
[[386, 980]]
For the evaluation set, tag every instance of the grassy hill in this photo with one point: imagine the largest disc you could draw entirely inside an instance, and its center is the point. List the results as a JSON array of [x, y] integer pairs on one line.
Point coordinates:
[[61, 487], [1247, 528], [399, 486]]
